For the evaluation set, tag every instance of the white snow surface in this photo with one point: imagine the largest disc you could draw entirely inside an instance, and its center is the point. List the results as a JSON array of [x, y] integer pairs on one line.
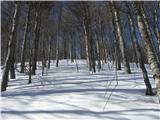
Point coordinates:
[[65, 94]]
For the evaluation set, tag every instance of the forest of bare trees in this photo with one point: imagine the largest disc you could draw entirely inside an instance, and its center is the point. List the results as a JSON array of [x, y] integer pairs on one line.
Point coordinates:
[[99, 32]]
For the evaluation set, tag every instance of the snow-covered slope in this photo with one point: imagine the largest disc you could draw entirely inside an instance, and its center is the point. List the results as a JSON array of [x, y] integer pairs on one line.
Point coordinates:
[[65, 94]]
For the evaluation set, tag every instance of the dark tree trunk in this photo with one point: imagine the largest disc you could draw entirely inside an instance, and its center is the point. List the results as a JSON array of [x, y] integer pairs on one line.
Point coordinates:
[[58, 33], [36, 37], [12, 70], [50, 51], [25, 40], [98, 52], [89, 38], [117, 46], [144, 71], [132, 39], [11, 49]]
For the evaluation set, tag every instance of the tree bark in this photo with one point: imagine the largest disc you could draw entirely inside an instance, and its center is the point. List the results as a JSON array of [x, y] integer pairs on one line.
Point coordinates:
[[98, 52], [58, 33], [12, 70], [116, 42], [132, 39], [36, 37], [144, 71], [152, 60], [11, 48], [50, 51], [88, 38], [120, 38], [25, 40], [140, 57]]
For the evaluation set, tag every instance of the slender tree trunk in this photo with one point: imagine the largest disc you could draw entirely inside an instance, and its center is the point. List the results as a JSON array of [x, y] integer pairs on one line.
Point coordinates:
[[103, 43], [71, 47], [152, 60], [11, 48], [25, 40], [89, 39], [117, 48], [120, 38], [65, 47], [30, 65], [36, 37], [132, 39], [87, 47], [57, 52], [98, 52], [144, 71], [58, 33], [140, 57], [50, 51]]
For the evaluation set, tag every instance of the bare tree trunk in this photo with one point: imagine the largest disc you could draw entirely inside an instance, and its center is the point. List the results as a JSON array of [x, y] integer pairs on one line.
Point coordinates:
[[120, 38], [98, 52], [36, 37], [12, 70], [87, 47], [50, 51], [30, 65], [151, 35], [144, 71], [117, 46], [140, 57], [58, 33], [71, 47], [89, 39], [57, 52], [65, 47], [152, 60], [11, 49], [132, 39], [25, 40], [103, 42]]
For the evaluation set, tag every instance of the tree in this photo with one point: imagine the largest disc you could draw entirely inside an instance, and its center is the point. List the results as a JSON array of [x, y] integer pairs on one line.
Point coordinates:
[[11, 48], [58, 34], [139, 54], [25, 38], [151, 56], [119, 36], [37, 26]]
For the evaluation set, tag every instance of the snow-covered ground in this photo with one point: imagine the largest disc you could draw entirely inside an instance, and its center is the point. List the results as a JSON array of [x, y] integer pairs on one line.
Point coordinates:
[[65, 94]]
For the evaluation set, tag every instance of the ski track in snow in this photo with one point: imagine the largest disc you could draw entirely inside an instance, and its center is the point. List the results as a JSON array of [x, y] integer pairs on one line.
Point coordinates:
[[65, 94]]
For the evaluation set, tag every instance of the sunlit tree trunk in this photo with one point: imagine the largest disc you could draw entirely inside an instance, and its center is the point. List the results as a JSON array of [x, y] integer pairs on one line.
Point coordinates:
[[120, 37], [152, 60], [140, 57]]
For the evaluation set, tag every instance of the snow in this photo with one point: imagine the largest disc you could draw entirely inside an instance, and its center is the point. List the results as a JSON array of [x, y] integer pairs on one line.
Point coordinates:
[[65, 94]]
